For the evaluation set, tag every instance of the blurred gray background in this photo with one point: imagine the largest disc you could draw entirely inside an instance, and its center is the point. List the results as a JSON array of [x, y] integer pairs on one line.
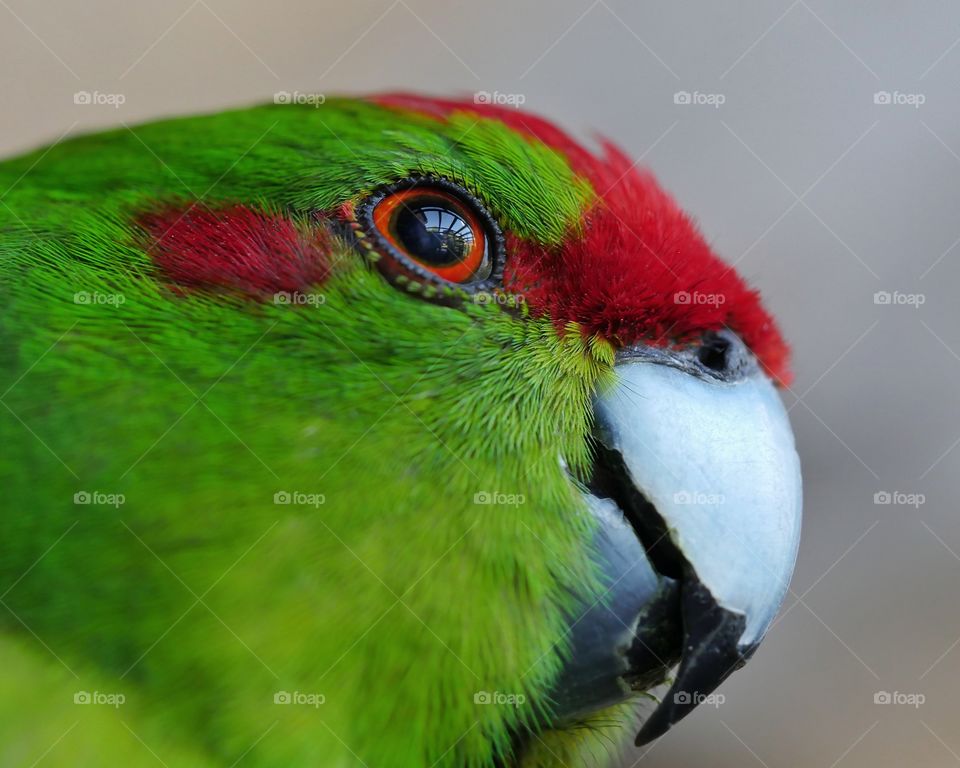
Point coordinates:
[[830, 172]]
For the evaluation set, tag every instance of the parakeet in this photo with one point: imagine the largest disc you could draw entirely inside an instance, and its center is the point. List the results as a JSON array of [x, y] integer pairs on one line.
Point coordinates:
[[392, 431]]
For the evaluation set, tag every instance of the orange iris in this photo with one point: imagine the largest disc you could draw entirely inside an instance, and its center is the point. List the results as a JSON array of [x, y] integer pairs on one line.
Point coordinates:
[[435, 230]]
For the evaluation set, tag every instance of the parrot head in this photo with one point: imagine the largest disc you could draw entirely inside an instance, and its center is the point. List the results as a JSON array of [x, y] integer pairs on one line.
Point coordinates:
[[517, 421], [694, 484]]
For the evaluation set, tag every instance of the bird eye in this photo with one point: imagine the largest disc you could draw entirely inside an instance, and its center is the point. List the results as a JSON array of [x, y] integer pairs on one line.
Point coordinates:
[[432, 228]]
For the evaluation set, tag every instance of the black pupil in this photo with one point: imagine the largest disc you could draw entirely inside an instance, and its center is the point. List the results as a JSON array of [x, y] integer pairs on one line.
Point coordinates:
[[433, 233]]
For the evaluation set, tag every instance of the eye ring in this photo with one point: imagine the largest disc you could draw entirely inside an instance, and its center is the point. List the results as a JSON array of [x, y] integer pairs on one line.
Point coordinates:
[[430, 234]]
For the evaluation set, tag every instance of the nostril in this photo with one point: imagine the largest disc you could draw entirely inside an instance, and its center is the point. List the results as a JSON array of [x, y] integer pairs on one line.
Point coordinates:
[[716, 356], [714, 353]]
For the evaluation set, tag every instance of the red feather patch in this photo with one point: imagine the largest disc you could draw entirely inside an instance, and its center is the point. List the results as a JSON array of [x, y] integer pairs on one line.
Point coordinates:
[[638, 270], [641, 272], [237, 249]]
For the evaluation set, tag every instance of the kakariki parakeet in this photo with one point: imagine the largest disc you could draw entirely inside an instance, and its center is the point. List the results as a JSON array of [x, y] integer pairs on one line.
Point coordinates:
[[386, 432]]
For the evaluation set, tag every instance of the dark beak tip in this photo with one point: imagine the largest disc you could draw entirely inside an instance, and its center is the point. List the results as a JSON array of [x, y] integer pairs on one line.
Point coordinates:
[[676, 705], [712, 652], [656, 726]]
